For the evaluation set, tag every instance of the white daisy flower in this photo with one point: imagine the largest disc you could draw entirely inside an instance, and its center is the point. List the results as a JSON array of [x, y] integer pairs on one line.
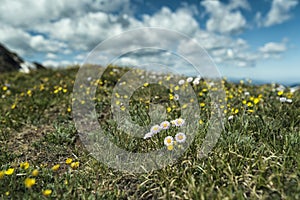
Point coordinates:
[[179, 122], [180, 137], [230, 117], [289, 100], [181, 82], [189, 79], [148, 135], [176, 97], [246, 93], [196, 81], [282, 99], [173, 122], [165, 125], [155, 129], [169, 140]]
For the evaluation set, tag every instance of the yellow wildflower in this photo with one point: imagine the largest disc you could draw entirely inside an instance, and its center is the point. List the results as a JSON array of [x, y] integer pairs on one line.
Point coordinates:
[[69, 161], [4, 88], [29, 182], [75, 165], [35, 172], [29, 92], [24, 165], [256, 100], [170, 147], [55, 167], [10, 171], [47, 192], [2, 173], [169, 109], [13, 106]]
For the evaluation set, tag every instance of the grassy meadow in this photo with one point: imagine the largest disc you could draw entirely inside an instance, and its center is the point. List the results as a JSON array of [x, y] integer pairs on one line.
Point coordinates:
[[42, 156]]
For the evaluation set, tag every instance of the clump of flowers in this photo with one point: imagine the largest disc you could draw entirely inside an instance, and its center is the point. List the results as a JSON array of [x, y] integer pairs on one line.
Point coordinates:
[[169, 141]]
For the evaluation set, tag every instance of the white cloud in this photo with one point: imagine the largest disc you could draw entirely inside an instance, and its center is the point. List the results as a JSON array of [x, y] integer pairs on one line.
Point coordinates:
[[27, 13], [279, 12], [75, 28], [225, 18], [51, 55], [273, 48], [25, 44], [56, 64], [181, 20]]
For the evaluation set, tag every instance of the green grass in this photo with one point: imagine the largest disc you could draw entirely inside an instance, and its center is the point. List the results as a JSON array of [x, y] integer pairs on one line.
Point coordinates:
[[256, 157]]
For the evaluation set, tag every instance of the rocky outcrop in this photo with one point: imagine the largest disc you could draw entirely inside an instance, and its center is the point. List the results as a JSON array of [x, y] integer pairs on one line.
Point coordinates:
[[10, 61]]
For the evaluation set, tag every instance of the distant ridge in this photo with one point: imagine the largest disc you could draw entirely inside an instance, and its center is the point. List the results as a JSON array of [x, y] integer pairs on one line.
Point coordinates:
[[10, 61]]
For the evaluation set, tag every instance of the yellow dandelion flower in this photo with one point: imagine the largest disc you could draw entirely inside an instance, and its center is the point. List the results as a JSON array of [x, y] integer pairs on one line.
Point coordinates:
[[75, 165], [236, 111], [65, 90], [13, 106], [171, 97], [202, 104], [169, 109], [122, 108], [2, 173], [184, 106], [29, 182], [4, 88], [146, 84], [7, 193], [69, 161], [256, 100], [29, 92], [55, 167], [35, 172], [24, 165], [170, 147], [47, 192], [177, 87], [279, 93], [250, 111], [249, 104], [201, 121], [244, 102], [55, 91], [42, 87], [69, 109], [9, 171]]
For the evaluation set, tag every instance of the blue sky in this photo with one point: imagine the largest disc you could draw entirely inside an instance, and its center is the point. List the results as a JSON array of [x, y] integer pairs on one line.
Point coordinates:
[[246, 39]]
